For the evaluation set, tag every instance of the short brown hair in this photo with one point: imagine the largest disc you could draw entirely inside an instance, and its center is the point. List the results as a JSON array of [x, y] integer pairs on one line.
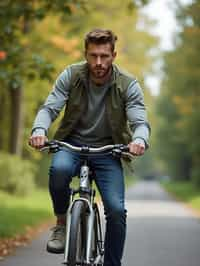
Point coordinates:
[[100, 36]]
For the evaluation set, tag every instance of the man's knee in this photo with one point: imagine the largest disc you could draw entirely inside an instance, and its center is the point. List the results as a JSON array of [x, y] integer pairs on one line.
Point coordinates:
[[59, 175], [60, 169]]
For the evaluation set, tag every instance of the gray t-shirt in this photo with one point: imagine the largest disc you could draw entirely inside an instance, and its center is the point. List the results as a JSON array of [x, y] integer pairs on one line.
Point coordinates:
[[93, 127]]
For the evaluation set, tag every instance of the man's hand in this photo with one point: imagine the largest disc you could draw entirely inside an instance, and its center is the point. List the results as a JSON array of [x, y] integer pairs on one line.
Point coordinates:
[[37, 142], [137, 147]]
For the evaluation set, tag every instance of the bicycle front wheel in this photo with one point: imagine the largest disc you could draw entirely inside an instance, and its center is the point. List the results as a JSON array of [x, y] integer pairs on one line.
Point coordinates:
[[77, 238]]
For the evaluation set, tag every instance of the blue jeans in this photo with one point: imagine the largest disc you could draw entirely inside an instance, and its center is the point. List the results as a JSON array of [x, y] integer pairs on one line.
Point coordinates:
[[110, 182]]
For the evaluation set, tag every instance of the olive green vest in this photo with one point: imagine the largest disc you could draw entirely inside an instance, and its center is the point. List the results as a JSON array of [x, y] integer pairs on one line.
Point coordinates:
[[115, 103]]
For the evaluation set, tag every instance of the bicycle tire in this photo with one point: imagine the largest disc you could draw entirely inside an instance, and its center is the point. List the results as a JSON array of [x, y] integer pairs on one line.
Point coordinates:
[[77, 238], [97, 243]]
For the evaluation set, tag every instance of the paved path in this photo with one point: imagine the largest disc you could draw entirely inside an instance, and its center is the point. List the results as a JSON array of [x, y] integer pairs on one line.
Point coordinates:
[[161, 232]]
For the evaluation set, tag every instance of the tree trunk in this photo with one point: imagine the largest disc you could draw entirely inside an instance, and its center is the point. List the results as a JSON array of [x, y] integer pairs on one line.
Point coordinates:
[[17, 118], [16, 128]]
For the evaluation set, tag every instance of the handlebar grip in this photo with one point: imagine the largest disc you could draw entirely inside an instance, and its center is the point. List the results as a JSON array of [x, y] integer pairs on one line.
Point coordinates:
[[125, 148], [51, 146], [47, 143]]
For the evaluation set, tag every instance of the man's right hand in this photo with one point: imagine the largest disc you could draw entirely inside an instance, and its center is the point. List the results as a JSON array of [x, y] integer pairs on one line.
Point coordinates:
[[37, 141]]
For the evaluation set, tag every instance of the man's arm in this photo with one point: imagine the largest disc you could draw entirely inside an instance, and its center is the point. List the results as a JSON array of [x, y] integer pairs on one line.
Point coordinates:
[[51, 109], [137, 117]]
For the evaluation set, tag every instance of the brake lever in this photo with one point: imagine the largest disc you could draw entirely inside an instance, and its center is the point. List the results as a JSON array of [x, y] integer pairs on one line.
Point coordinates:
[[119, 153], [44, 149], [130, 155]]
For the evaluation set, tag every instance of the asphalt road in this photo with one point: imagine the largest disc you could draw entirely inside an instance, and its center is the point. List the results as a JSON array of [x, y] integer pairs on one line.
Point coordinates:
[[161, 232]]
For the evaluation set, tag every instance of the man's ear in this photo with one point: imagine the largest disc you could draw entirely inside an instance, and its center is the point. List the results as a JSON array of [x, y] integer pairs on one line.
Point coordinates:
[[114, 54]]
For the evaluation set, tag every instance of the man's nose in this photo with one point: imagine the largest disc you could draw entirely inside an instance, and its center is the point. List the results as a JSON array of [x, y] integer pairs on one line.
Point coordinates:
[[98, 62]]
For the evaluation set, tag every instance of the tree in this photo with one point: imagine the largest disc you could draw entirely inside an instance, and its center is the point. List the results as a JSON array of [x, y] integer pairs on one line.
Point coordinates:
[[179, 104], [17, 19]]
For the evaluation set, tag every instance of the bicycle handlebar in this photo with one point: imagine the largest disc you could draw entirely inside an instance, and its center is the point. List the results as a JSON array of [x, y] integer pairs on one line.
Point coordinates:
[[118, 149]]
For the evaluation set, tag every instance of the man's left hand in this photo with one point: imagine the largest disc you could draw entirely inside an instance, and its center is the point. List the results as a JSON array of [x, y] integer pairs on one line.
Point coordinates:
[[137, 147]]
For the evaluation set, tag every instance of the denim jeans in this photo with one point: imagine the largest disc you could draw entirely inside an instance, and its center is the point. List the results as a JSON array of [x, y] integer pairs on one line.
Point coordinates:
[[110, 182]]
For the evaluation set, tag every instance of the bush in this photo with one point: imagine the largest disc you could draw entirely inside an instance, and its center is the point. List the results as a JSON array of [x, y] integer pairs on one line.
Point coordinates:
[[196, 176], [16, 174], [42, 174]]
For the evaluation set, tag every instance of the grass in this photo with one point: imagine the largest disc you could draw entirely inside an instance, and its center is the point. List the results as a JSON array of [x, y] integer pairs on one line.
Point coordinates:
[[184, 191], [16, 213]]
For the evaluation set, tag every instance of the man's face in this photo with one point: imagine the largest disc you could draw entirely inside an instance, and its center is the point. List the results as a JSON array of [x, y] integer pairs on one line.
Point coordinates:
[[99, 58]]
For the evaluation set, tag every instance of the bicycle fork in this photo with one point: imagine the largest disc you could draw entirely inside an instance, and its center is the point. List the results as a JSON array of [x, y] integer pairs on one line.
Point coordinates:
[[90, 222], [84, 189]]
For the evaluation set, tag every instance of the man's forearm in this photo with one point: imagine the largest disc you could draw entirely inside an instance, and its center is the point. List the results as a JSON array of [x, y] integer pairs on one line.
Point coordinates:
[[142, 133], [136, 113], [42, 122]]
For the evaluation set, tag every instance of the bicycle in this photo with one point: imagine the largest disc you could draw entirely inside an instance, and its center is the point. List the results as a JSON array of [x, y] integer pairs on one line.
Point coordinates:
[[84, 236]]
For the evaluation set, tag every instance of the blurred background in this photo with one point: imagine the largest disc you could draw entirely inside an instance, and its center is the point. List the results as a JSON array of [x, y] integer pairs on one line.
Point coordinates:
[[158, 41]]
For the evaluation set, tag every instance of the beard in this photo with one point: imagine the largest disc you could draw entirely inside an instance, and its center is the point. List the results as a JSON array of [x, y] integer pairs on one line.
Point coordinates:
[[99, 72]]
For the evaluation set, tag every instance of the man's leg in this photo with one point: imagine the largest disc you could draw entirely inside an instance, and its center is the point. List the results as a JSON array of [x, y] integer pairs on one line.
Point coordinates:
[[110, 182], [64, 166]]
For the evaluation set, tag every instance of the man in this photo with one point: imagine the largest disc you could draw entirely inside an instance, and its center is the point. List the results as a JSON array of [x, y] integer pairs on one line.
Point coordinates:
[[100, 99]]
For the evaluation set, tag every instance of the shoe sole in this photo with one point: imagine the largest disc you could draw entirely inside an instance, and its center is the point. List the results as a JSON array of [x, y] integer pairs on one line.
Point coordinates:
[[53, 250]]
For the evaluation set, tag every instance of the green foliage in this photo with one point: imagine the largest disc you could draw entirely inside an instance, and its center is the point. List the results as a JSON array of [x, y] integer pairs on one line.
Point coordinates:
[[41, 176], [184, 191], [195, 175], [179, 103], [18, 59], [16, 175], [16, 20]]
